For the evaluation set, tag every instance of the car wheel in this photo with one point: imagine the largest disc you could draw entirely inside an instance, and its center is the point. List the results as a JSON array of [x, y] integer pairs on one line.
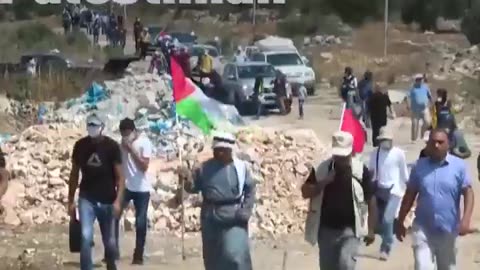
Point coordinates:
[[238, 104], [288, 105], [311, 90]]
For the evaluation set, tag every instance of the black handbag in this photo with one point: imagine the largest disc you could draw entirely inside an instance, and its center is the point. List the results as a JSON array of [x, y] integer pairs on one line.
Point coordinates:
[[75, 236]]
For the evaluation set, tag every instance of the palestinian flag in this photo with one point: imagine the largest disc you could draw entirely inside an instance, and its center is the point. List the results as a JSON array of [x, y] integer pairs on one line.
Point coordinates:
[[190, 102]]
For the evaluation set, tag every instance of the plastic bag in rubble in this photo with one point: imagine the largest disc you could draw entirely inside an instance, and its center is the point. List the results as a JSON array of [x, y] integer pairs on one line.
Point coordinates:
[[4, 138], [141, 120], [42, 111], [160, 126], [95, 93]]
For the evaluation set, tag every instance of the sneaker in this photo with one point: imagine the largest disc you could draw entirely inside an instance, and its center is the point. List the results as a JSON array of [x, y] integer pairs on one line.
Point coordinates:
[[383, 256], [137, 259]]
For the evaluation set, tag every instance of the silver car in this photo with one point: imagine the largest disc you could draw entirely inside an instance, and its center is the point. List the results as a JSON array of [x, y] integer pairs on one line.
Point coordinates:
[[239, 79]]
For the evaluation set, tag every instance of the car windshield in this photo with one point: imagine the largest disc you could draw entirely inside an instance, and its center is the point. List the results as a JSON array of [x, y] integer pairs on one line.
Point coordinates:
[[253, 71], [197, 51], [154, 30], [183, 37], [284, 59]]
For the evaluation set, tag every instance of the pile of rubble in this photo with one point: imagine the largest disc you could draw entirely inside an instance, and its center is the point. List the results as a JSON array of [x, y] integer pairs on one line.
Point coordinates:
[[39, 160]]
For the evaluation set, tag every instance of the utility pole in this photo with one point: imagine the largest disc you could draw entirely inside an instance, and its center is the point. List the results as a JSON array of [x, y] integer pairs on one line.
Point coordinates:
[[254, 11], [386, 29]]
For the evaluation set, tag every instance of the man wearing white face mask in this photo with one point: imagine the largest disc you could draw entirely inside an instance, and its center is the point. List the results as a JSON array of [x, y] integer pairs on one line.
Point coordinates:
[[99, 159], [388, 167], [136, 153]]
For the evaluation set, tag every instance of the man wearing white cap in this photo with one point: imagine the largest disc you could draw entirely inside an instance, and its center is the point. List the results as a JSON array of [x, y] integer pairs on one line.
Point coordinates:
[[228, 193], [388, 166], [340, 193], [99, 159], [420, 100]]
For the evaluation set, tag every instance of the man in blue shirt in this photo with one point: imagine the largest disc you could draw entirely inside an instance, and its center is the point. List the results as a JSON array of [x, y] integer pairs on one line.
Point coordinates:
[[420, 99], [437, 182]]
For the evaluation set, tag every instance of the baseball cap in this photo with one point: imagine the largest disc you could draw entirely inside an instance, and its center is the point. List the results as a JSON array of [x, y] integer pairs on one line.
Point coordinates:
[[95, 119]]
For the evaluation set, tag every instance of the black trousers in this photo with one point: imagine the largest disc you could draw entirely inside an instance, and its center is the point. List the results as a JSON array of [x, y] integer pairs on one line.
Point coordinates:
[[376, 125]]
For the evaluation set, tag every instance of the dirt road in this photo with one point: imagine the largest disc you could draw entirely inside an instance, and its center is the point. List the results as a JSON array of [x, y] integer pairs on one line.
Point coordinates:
[[322, 115]]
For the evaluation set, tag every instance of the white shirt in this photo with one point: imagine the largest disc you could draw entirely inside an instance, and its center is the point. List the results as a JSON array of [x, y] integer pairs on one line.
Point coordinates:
[[136, 179], [392, 169]]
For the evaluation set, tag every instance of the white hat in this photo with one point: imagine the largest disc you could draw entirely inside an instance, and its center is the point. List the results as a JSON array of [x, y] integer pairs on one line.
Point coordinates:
[[418, 76], [342, 144], [223, 140], [385, 134], [95, 119]]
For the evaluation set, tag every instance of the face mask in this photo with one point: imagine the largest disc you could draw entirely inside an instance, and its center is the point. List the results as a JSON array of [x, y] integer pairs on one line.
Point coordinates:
[[386, 145], [94, 131]]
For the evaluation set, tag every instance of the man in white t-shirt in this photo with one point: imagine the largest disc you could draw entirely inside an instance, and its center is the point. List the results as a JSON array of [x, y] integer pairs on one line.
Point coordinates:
[[388, 166], [136, 153]]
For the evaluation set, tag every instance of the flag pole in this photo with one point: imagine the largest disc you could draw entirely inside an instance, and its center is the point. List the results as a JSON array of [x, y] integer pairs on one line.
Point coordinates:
[[182, 193], [343, 113], [182, 198], [182, 188]]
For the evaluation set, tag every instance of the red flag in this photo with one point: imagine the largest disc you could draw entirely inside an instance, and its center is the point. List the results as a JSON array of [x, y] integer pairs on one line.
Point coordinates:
[[353, 126]]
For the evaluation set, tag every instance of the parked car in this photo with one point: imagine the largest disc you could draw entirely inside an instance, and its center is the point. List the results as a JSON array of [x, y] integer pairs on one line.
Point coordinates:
[[187, 39], [46, 61], [154, 31], [239, 79], [292, 64]]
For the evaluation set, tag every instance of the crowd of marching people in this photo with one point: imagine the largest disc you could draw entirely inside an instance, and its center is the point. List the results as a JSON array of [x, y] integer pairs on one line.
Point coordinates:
[[379, 195], [372, 105], [350, 202], [96, 23]]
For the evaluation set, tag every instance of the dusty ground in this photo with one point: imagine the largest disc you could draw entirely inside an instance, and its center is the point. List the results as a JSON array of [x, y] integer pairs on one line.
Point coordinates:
[[164, 252]]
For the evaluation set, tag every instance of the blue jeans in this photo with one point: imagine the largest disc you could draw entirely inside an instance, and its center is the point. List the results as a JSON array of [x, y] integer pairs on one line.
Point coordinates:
[[89, 211], [140, 202], [387, 212], [300, 107]]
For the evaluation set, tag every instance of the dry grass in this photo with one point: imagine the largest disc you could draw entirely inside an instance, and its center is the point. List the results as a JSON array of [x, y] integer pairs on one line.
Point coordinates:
[[19, 38], [48, 86], [408, 53]]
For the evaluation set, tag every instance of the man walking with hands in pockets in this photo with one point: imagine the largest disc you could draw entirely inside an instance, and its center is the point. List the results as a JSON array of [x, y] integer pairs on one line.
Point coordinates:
[[437, 182]]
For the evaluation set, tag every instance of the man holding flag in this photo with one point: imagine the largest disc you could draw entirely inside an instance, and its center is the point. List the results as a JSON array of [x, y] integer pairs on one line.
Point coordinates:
[[228, 193]]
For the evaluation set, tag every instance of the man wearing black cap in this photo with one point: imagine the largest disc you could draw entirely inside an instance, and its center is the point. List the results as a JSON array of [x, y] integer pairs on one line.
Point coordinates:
[[136, 153], [99, 159]]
